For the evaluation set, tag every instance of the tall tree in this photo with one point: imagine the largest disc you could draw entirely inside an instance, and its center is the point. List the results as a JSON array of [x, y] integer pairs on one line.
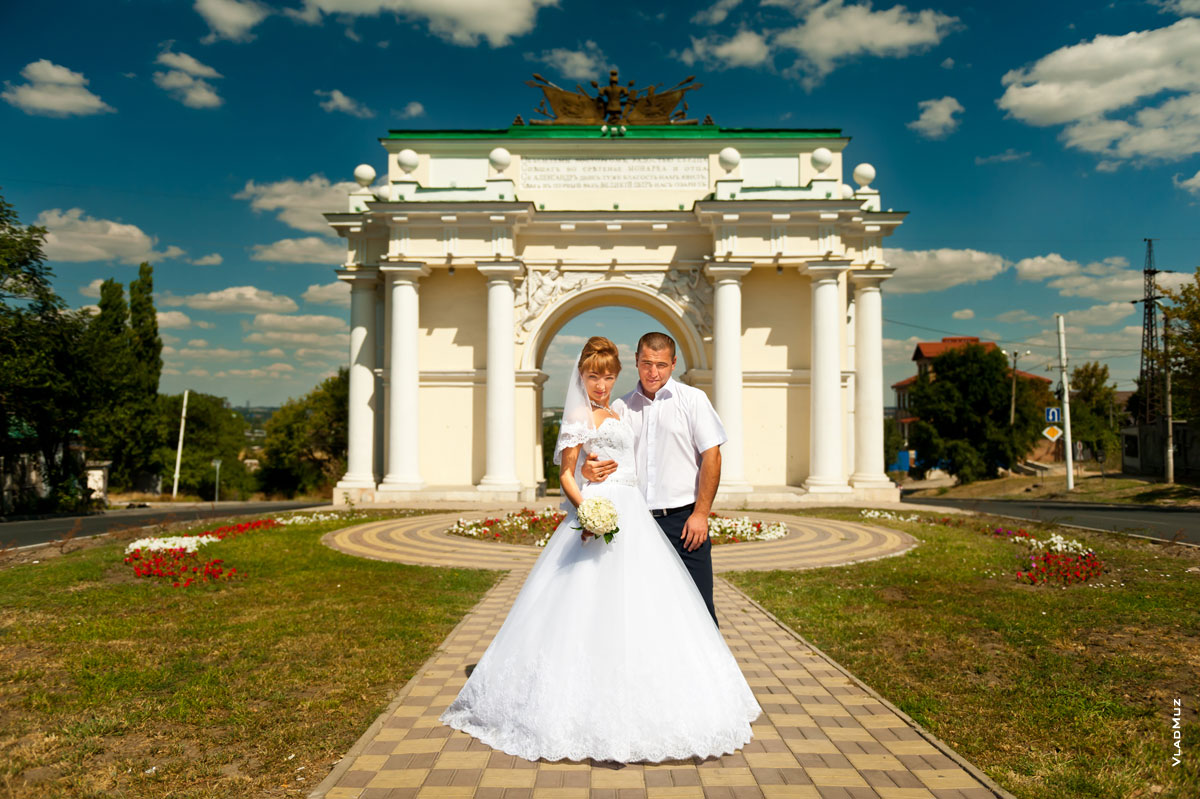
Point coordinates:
[[146, 356], [963, 409], [1095, 418], [305, 450], [112, 387], [1185, 348], [41, 367]]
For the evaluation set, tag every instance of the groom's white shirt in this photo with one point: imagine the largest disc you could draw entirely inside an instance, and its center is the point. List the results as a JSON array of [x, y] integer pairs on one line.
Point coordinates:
[[669, 434]]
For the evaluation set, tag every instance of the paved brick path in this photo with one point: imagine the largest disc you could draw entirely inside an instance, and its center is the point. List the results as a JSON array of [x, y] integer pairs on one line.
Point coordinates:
[[822, 734]]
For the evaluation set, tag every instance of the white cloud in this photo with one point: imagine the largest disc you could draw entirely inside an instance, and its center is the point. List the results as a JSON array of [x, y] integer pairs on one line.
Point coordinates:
[[321, 354], [335, 293], [1017, 316], [1181, 8], [1100, 315], [197, 342], [899, 350], [185, 63], [167, 338], [299, 203], [208, 260], [336, 100], [73, 236], [1082, 343], [411, 110], [1043, 266], [92, 289], [169, 370], [462, 22], [963, 313], [744, 49], [294, 339], [833, 32], [185, 81], [1083, 86], [198, 372], [299, 323], [274, 352], [307, 250], [274, 371], [937, 118], [231, 19], [235, 299], [948, 63], [173, 319], [1001, 158], [586, 63], [204, 325], [216, 353], [920, 271], [1192, 184], [716, 13], [53, 91]]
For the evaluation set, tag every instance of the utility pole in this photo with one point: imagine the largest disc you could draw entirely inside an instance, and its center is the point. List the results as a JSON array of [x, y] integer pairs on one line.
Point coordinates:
[[1012, 405], [179, 449], [217, 490], [1169, 457], [1066, 402]]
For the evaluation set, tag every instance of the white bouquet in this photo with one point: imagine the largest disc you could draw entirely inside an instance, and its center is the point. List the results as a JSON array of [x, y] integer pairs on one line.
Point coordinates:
[[599, 517]]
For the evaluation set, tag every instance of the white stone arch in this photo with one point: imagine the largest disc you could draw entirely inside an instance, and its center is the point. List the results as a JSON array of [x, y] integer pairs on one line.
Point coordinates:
[[630, 295]]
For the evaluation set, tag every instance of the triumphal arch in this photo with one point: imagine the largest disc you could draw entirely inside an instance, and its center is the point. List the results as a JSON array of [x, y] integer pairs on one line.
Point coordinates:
[[745, 244]]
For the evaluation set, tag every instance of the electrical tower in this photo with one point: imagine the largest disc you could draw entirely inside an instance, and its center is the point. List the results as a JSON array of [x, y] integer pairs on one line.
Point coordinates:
[[1148, 378]]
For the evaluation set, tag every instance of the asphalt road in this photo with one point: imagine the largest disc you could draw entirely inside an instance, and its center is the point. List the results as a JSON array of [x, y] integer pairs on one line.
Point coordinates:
[[41, 531], [1160, 523]]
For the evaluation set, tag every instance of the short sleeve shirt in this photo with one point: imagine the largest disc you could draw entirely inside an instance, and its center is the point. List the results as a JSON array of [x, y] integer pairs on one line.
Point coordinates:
[[670, 432]]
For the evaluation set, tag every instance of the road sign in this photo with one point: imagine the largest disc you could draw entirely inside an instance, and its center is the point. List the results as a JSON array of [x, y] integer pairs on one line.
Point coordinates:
[[1054, 415], [1053, 432]]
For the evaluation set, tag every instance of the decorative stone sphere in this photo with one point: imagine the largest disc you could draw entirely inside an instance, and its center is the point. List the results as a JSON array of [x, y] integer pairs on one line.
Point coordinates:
[[729, 158], [847, 192], [863, 175], [364, 174], [821, 159], [407, 160], [499, 159]]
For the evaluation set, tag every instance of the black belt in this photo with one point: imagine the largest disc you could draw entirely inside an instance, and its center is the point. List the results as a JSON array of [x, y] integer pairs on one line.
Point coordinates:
[[659, 513]]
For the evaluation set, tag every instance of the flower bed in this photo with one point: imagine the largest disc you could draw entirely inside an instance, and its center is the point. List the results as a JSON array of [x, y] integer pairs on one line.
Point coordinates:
[[177, 558], [531, 528], [1056, 559]]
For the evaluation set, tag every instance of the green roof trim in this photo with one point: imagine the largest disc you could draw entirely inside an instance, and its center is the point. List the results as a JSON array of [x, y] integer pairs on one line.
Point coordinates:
[[631, 132]]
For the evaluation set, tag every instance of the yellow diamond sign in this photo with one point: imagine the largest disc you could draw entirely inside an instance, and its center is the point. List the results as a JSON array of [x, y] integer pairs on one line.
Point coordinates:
[[1053, 432]]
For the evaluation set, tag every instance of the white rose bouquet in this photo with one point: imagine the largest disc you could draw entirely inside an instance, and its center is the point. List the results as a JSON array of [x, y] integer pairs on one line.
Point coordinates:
[[599, 517]]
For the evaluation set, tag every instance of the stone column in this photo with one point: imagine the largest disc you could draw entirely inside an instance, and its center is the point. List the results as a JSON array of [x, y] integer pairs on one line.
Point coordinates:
[[361, 434], [403, 464], [868, 376], [501, 456], [727, 369], [826, 471]]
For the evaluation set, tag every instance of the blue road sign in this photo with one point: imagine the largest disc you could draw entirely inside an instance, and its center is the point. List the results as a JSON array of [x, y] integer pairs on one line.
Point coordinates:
[[1053, 415]]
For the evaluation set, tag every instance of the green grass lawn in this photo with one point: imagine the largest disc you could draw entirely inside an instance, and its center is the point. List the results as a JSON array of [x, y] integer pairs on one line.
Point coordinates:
[[252, 687], [1052, 692]]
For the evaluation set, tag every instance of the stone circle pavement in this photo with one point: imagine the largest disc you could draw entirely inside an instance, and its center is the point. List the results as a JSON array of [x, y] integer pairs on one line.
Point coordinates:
[[823, 733]]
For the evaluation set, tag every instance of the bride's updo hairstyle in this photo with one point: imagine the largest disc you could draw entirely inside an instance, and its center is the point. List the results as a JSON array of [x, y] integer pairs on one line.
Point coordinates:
[[600, 356]]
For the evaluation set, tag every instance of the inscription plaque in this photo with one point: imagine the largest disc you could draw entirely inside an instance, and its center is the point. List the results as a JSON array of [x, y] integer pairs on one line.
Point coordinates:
[[591, 174]]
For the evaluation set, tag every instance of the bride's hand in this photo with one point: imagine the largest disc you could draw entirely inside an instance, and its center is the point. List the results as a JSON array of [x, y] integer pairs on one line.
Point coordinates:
[[595, 470]]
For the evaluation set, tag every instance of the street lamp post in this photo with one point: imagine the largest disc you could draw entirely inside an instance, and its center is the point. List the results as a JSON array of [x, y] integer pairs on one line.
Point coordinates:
[[1012, 407], [217, 489]]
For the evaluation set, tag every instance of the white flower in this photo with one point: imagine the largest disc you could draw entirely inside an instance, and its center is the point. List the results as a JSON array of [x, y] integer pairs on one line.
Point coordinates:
[[190, 543], [598, 516]]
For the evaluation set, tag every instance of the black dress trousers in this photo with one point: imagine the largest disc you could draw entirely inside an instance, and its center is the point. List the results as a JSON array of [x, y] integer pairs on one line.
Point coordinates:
[[698, 562]]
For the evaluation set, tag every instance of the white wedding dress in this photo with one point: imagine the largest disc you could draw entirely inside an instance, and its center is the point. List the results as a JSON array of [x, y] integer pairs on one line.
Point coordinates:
[[608, 651]]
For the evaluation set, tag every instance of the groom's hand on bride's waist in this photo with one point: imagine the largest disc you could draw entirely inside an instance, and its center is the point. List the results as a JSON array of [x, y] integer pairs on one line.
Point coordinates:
[[695, 532], [595, 470]]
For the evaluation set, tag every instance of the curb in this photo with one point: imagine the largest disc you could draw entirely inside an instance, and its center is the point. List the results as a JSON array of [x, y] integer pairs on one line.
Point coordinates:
[[928, 736]]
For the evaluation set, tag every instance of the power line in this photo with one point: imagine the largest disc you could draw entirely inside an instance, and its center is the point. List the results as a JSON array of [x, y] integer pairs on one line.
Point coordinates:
[[1027, 342]]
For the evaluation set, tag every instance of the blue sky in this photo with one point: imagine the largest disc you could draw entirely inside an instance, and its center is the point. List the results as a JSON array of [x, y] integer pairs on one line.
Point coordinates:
[[1035, 146]]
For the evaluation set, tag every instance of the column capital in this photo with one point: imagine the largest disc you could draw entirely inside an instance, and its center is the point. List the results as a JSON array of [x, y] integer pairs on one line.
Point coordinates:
[[827, 268], [407, 271], [500, 270], [357, 277], [727, 270], [870, 278]]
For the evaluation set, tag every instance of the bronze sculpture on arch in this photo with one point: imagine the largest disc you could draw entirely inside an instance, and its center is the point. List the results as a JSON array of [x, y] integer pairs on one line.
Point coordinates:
[[613, 104]]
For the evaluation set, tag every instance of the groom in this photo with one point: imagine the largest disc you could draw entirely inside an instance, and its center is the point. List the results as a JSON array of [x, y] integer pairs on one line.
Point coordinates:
[[677, 445]]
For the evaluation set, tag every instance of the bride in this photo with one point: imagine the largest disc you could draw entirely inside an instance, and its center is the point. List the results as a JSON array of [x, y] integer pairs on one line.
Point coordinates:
[[608, 652]]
